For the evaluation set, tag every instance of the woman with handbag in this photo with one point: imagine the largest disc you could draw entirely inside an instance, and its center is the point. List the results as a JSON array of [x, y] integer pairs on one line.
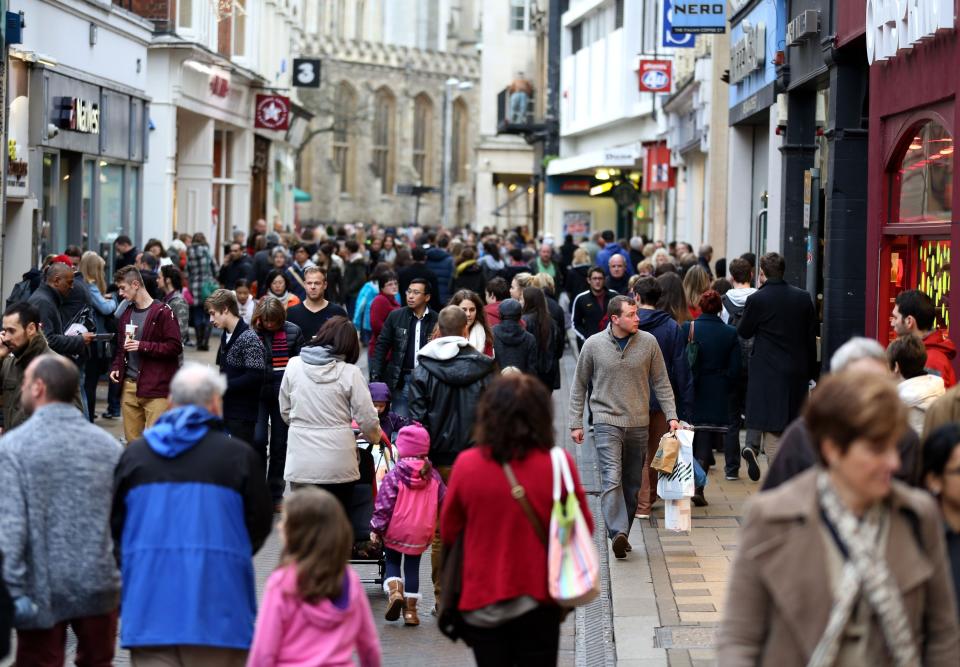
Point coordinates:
[[98, 362], [505, 610]]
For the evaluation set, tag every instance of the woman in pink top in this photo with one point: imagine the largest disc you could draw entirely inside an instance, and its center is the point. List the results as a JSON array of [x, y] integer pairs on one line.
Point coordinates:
[[315, 611]]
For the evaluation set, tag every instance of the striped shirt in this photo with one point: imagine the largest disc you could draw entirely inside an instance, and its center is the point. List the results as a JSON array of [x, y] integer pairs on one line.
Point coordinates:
[[281, 353]]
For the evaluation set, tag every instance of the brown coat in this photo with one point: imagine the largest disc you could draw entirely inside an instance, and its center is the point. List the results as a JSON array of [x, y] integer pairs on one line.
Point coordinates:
[[779, 597], [944, 410]]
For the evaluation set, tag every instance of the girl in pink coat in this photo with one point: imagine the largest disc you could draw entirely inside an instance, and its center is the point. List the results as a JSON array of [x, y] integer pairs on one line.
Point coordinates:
[[315, 611], [405, 519]]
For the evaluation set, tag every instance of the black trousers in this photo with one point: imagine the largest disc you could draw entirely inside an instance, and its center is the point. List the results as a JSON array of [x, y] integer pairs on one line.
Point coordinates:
[[271, 433], [531, 640], [242, 430], [342, 492]]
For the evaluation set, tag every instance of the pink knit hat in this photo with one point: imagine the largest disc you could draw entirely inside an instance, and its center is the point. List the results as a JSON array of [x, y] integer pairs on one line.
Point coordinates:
[[413, 440]]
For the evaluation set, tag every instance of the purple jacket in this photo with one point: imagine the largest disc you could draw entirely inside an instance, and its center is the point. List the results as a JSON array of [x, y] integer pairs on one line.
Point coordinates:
[[407, 471]]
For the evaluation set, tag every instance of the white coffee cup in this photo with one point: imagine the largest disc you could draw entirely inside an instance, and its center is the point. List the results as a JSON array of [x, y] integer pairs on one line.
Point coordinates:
[[131, 331]]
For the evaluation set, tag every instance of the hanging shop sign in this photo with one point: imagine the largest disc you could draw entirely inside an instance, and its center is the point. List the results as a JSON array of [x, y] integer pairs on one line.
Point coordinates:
[[306, 72], [655, 76], [671, 39], [78, 115], [747, 54], [698, 16], [804, 25], [272, 112], [894, 25], [658, 175], [219, 85]]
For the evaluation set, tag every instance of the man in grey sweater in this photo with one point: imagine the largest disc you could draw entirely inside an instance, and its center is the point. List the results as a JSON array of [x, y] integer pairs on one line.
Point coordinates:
[[56, 472], [623, 364]]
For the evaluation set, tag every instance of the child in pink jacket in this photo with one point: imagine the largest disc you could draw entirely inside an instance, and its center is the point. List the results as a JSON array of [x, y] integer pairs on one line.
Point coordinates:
[[315, 611], [405, 519]]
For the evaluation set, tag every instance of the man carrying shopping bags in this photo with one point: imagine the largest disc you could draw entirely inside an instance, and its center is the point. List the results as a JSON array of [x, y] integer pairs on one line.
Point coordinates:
[[623, 363]]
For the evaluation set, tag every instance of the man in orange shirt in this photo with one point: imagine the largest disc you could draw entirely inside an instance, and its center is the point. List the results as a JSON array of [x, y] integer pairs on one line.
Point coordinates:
[[915, 313]]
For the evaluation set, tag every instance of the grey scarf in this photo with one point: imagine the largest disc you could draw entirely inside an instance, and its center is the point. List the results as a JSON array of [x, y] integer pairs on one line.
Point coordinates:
[[864, 572]]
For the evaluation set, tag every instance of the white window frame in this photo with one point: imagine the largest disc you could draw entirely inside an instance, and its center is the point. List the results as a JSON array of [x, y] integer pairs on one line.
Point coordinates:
[[517, 4]]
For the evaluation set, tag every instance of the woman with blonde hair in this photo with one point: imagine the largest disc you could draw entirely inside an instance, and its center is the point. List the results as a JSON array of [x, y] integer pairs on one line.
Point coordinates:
[[696, 281], [91, 268]]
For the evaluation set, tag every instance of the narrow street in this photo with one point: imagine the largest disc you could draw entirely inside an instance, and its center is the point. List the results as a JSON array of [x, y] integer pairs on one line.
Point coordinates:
[[658, 607]]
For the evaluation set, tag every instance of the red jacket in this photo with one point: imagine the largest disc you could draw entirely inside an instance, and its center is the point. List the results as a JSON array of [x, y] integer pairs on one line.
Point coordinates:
[[381, 306], [492, 311], [160, 349], [502, 557], [940, 352]]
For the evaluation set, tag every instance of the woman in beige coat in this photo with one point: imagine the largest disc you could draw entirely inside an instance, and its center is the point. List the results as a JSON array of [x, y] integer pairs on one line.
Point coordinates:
[[321, 395], [843, 565]]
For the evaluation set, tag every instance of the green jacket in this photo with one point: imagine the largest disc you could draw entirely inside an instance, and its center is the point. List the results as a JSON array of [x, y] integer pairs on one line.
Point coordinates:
[[11, 382]]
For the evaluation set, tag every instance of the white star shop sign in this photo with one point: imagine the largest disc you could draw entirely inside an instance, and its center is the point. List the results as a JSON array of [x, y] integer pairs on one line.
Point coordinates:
[[895, 25], [272, 112]]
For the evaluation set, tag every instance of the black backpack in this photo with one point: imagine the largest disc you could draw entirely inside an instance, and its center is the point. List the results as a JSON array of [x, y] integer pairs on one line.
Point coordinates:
[[734, 315], [21, 292]]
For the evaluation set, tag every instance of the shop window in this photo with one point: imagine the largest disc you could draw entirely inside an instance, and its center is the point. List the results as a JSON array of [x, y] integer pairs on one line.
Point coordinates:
[[384, 111], [239, 25], [618, 14], [916, 262], [345, 109], [49, 230], [923, 190], [576, 38], [458, 168], [520, 15], [422, 122], [133, 204], [185, 14]]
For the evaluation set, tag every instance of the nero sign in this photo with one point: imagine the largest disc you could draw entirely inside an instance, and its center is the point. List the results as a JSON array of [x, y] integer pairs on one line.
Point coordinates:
[[894, 25], [699, 17]]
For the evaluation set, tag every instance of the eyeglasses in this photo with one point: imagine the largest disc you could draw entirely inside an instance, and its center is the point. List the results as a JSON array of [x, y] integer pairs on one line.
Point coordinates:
[[596, 278], [414, 292]]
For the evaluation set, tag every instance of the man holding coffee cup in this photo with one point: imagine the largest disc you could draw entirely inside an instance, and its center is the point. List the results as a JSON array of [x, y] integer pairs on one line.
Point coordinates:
[[148, 357]]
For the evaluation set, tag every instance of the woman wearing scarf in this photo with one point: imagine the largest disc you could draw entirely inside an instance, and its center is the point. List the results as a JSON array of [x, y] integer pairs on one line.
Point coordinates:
[[843, 565]]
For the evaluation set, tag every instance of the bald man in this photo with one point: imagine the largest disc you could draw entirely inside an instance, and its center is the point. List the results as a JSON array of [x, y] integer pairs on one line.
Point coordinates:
[[48, 299]]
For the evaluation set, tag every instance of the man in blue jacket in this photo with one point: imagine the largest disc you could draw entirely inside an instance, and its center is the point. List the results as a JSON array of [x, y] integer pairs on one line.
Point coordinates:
[[670, 337], [190, 508], [441, 263], [611, 248]]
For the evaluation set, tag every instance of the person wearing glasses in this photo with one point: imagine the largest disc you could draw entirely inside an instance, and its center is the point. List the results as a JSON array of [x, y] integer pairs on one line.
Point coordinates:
[[590, 307], [404, 332]]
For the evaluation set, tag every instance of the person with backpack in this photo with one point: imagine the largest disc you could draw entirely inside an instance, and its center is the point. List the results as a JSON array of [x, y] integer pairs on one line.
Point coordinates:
[[713, 353], [405, 519], [734, 302], [314, 609]]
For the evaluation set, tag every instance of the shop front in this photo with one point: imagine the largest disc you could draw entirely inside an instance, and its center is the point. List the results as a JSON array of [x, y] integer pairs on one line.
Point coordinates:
[[912, 184], [80, 147], [757, 36]]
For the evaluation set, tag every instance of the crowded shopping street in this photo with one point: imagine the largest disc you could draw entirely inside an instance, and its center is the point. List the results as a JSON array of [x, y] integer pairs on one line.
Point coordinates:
[[514, 333]]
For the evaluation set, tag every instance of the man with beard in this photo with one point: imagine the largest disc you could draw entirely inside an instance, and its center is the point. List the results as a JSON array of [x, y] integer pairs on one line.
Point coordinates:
[[22, 342]]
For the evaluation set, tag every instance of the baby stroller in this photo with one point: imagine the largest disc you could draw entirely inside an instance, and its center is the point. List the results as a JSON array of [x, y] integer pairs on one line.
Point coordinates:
[[375, 462]]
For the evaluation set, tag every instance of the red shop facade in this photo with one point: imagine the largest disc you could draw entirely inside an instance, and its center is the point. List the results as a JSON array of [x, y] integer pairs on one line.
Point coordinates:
[[912, 184]]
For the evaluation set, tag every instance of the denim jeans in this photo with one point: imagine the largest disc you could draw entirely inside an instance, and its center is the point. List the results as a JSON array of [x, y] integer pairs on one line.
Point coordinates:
[[411, 569], [621, 454], [399, 401]]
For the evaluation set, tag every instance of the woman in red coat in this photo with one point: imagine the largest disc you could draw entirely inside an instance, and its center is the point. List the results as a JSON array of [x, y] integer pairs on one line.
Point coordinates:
[[505, 602], [383, 304]]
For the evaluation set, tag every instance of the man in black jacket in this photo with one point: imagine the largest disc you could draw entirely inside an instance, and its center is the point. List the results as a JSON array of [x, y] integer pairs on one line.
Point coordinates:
[[236, 266], [242, 359], [782, 321], [48, 299], [404, 332], [444, 393], [590, 307]]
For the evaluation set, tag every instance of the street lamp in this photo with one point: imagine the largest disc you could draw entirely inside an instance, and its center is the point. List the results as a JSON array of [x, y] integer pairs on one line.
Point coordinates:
[[449, 86]]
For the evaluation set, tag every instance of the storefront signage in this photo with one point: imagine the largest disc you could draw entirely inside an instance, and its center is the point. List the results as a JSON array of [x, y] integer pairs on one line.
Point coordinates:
[[671, 39], [697, 16], [306, 72], [219, 85], [79, 115], [619, 158], [894, 25], [272, 112], [658, 175], [575, 185], [747, 54], [655, 76], [737, 5], [803, 26]]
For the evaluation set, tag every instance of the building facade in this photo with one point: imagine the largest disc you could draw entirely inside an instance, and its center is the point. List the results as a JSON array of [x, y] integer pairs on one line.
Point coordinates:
[[397, 109]]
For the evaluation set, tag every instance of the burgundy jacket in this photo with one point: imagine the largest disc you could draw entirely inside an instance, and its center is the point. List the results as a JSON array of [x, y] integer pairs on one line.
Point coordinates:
[[160, 349]]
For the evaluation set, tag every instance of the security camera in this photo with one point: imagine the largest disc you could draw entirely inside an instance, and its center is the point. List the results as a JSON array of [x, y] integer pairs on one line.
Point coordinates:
[[52, 130]]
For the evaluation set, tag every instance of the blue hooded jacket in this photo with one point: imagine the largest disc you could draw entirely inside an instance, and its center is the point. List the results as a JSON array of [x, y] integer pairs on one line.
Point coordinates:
[[191, 507], [673, 345]]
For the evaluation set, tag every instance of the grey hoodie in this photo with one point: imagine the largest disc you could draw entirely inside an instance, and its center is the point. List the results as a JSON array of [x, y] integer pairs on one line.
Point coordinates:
[[738, 296]]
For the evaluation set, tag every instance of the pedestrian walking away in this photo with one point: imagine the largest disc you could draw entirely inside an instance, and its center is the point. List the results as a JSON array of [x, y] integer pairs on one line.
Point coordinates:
[[148, 357], [315, 610], [190, 509], [623, 364], [56, 472], [405, 520]]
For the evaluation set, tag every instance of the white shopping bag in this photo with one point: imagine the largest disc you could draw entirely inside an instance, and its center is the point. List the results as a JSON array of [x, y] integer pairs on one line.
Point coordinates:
[[679, 484], [677, 515]]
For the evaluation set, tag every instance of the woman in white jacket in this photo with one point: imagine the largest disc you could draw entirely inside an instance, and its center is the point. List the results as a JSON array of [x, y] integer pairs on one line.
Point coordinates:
[[918, 388], [321, 395]]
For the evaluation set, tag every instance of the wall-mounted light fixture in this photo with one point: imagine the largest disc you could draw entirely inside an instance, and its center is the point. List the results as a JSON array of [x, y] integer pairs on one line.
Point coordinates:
[[93, 34]]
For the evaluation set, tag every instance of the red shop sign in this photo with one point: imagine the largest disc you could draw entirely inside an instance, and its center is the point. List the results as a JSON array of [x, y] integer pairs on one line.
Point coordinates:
[[655, 76], [657, 173], [272, 113]]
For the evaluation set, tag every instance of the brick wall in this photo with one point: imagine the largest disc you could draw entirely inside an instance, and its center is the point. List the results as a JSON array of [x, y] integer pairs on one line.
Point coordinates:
[[161, 12]]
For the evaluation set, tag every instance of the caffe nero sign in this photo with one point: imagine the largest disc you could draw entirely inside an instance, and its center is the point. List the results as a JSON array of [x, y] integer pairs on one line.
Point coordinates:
[[690, 16]]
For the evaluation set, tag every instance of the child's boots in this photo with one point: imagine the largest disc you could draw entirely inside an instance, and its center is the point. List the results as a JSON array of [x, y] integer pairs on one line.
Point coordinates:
[[394, 588], [410, 612]]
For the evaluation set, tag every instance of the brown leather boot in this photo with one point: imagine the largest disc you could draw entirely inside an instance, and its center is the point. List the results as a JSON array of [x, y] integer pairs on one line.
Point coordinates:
[[410, 613], [394, 588]]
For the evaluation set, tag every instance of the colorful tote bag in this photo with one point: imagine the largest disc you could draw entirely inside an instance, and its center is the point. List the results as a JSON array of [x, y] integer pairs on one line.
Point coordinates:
[[573, 562]]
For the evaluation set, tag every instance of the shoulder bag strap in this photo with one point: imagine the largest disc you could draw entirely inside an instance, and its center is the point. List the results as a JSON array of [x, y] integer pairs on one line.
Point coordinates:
[[520, 495], [296, 276], [690, 333]]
